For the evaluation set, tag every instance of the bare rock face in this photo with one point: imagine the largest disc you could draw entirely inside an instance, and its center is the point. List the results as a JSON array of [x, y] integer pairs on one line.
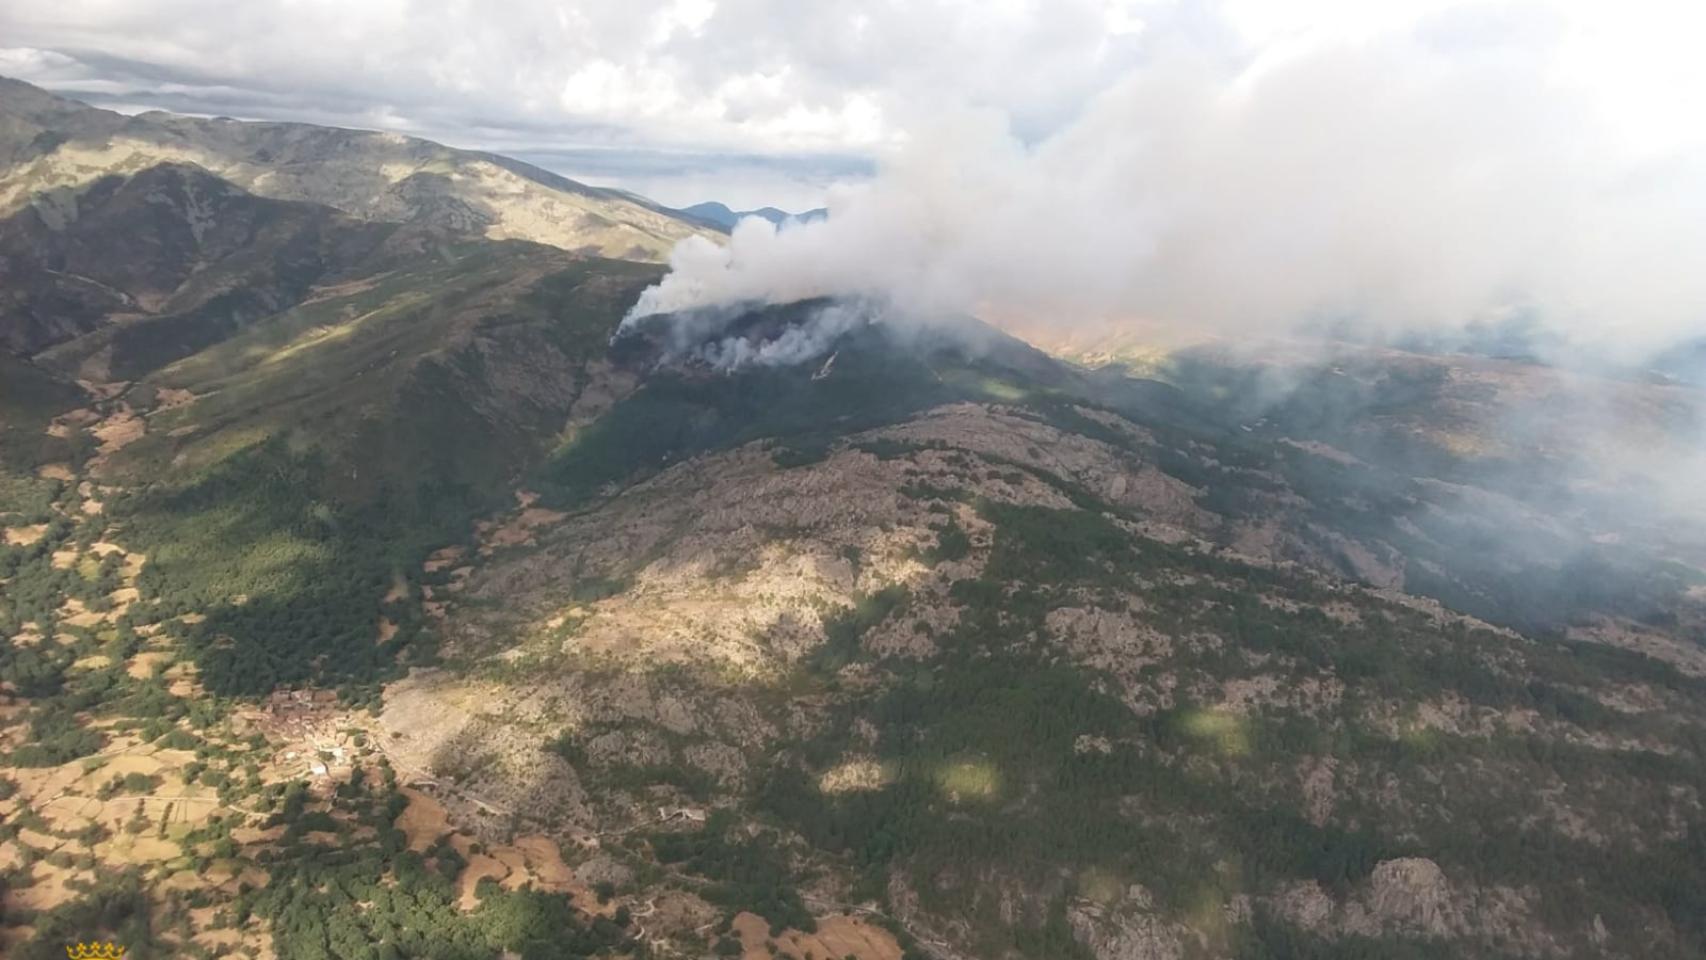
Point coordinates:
[[447, 734], [1411, 896], [1126, 931], [1412, 893], [1304, 904], [1316, 776]]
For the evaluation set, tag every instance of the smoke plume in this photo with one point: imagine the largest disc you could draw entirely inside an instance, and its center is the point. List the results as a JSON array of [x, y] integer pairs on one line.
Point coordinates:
[[1416, 182]]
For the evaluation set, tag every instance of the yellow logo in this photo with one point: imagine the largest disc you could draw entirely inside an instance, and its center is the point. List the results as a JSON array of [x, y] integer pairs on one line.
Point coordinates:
[[95, 951]]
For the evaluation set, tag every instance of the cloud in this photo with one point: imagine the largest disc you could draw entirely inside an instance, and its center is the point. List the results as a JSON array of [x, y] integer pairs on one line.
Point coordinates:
[[1215, 164], [1453, 168], [683, 177], [710, 77]]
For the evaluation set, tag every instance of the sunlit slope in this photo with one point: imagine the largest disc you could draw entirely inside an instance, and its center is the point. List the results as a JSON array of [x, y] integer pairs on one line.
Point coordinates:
[[51, 147], [471, 349]]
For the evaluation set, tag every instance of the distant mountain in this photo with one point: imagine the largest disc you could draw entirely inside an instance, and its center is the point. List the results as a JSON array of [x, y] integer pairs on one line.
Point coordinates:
[[721, 216], [1684, 362], [52, 148]]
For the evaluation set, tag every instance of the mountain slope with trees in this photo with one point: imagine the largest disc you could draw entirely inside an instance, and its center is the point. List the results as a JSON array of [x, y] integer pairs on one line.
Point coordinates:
[[363, 594]]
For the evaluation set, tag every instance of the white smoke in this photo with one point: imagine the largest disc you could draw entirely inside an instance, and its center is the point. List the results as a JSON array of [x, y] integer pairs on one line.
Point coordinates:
[[795, 344], [1401, 182]]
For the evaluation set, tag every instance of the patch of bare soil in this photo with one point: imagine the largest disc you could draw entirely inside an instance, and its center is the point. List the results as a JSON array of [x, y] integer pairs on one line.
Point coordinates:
[[423, 821], [837, 937], [49, 888], [56, 471], [253, 836], [166, 398], [74, 614], [24, 536], [138, 848], [443, 558], [530, 861], [549, 872], [119, 430], [69, 423], [518, 530], [133, 564], [480, 866]]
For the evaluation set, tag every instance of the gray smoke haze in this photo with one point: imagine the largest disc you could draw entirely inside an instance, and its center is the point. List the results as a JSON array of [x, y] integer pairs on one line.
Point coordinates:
[[796, 344], [1416, 187], [1419, 181]]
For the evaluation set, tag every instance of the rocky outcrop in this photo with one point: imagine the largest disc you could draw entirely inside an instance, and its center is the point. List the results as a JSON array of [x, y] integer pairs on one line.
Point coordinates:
[[1409, 894], [1127, 929], [1413, 897]]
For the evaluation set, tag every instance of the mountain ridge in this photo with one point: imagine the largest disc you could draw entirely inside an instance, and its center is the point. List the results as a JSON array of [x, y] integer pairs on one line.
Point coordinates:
[[719, 214], [53, 146]]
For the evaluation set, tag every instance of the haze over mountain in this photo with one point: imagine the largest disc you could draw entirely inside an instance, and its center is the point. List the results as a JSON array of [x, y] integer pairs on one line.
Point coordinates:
[[722, 216], [398, 558]]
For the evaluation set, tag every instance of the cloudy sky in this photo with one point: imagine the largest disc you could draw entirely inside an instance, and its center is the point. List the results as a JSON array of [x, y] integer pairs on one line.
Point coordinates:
[[1224, 166], [756, 101]]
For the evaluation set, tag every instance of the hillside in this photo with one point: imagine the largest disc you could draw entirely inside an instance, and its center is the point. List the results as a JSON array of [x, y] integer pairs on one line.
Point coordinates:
[[172, 258], [1041, 675], [363, 594], [52, 148]]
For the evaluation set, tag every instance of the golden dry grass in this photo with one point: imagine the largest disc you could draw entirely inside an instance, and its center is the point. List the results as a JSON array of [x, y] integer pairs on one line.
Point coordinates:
[[24, 536], [837, 936], [423, 821]]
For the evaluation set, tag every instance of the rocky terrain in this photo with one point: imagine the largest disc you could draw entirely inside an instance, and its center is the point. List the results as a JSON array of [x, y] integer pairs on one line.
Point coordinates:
[[974, 658]]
